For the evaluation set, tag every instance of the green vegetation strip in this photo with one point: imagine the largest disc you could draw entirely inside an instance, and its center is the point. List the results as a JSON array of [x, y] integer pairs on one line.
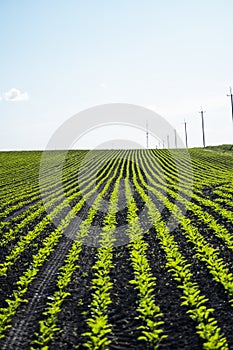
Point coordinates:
[[26, 240], [97, 336], [48, 327], [49, 245], [206, 325], [180, 195], [204, 251], [144, 282], [53, 198]]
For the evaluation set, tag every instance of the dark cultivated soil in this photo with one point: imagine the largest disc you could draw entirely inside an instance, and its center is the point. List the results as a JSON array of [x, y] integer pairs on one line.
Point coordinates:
[[123, 315]]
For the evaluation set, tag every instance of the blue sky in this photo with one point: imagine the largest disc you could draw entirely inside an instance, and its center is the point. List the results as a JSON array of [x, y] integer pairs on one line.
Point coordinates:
[[61, 57]]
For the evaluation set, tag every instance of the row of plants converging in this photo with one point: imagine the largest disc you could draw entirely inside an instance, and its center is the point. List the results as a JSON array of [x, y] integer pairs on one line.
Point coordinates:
[[44, 252], [169, 195]]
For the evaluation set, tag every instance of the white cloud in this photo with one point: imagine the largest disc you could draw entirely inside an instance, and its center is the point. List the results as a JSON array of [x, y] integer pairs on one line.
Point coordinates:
[[15, 95]]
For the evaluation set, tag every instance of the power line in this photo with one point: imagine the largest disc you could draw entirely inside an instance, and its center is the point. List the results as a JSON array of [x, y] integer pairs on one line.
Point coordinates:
[[203, 128], [231, 96]]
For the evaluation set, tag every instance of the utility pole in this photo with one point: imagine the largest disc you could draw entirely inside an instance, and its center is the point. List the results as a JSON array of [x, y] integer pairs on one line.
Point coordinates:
[[168, 141], [147, 135], [203, 129], [231, 96], [175, 138], [163, 144], [186, 135]]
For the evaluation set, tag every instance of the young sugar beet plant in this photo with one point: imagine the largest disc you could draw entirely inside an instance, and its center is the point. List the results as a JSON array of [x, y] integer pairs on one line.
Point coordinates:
[[25, 212], [35, 210], [27, 196], [171, 180], [48, 326], [203, 216], [53, 190], [97, 337], [49, 244], [31, 215], [204, 251], [206, 325], [26, 240], [144, 282]]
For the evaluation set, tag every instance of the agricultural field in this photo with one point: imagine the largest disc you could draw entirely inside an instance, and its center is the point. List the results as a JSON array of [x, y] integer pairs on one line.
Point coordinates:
[[132, 250], [222, 148]]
